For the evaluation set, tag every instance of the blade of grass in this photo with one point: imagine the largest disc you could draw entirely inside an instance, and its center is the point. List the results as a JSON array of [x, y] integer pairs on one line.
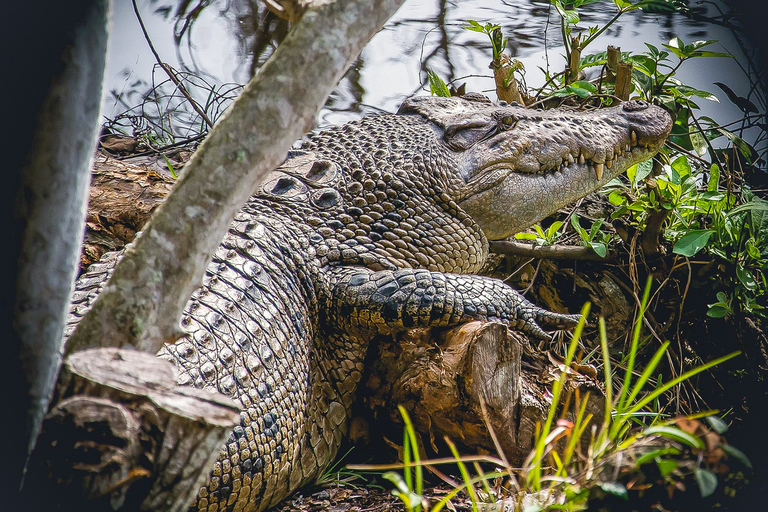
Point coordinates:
[[464, 474], [633, 348]]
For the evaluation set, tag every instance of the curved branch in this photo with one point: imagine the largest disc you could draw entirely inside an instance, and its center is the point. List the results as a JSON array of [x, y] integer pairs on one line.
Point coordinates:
[[551, 252], [143, 302]]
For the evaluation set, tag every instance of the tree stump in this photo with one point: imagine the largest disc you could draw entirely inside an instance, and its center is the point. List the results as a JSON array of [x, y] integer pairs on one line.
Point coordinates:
[[124, 436], [444, 377]]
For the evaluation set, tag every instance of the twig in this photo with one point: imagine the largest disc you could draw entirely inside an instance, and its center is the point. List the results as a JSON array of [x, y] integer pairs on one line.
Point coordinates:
[[551, 252], [168, 70]]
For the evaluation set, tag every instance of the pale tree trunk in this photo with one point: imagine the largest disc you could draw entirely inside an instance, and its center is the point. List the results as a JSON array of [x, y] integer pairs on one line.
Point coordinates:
[[56, 67], [141, 306], [143, 302]]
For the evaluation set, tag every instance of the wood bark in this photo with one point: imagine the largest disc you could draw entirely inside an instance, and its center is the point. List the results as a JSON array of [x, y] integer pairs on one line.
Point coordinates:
[[56, 74], [624, 80], [613, 56], [552, 252], [146, 295], [442, 378], [124, 436], [506, 85], [121, 199]]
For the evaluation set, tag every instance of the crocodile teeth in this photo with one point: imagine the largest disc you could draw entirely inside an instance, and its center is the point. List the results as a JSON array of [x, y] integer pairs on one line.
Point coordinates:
[[634, 138], [581, 158], [570, 158], [627, 148], [608, 164], [599, 171]]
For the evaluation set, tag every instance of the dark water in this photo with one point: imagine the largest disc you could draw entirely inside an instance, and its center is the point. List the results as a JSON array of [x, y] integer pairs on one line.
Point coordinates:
[[219, 49]]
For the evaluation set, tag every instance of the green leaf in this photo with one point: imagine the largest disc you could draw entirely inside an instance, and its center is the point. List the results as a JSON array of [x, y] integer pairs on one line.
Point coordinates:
[[701, 44], [692, 242], [690, 91], [675, 434], [580, 230], [571, 17], [617, 198], [644, 64], [615, 488], [595, 228], [681, 165], [473, 25], [644, 168], [582, 3], [714, 178], [710, 54], [754, 204], [666, 466], [552, 229], [712, 196], [599, 248], [707, 481], [739, 143], [597, 59], [655, 454], [436, 85], [652, 49], [582, 84], [717, 424], [717, 311], [677, 47], [525, 236], [736, 454], [746, 278]]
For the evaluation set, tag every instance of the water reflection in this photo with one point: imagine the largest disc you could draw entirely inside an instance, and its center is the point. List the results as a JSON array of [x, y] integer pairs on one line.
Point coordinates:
[[222, 42]]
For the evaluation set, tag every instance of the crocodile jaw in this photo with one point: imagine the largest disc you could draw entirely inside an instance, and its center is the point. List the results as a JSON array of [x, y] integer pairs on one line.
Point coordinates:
[[523, 199], [531, 172]]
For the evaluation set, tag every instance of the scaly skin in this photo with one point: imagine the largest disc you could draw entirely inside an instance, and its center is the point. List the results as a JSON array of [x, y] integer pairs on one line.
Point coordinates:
[[374, 227]]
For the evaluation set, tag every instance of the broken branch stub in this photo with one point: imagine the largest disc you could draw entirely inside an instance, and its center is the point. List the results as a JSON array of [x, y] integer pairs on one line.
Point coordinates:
[[124, 436]]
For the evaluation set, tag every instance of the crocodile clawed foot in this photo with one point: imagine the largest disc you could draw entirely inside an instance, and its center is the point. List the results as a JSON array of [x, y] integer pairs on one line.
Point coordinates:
[[530, 322], [551, 320]]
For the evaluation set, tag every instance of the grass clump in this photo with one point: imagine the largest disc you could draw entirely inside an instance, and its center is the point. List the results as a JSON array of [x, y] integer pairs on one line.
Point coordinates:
[[576, 458]]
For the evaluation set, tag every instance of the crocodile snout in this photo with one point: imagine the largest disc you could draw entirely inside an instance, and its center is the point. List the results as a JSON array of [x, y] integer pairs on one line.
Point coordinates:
[[634, 105], [649, 125]]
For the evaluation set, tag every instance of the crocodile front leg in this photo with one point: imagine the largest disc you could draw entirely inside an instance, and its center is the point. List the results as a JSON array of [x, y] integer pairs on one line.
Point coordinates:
[[365, 302]]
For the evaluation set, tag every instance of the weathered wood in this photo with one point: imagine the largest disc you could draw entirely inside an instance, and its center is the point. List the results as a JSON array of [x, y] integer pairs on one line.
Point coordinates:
[[52, 122], [574, 60], [124, 436], [441, 378], [552, 252], [623, 80], [506, 85], [121, 199], [613, 56]]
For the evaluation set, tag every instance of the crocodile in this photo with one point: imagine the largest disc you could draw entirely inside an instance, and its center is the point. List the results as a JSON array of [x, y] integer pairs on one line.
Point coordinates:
[[374, 227]]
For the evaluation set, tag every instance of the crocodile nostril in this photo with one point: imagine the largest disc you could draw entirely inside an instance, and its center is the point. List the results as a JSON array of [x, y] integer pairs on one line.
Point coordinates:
[[634, 105]]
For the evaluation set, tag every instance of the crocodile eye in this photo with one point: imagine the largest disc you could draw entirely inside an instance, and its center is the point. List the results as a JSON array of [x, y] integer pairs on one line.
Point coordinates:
[[508, 122]]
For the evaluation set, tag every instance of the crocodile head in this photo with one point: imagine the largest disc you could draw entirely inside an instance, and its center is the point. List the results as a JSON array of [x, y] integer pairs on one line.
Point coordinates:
[[514, 166]]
